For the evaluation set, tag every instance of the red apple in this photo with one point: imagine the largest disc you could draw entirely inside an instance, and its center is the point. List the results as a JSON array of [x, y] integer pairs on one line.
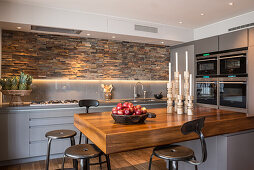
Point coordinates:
[[119, 108], [126, 104], [138, 112], [130, 105], [144, 110], [114, 108], [127, 111], [131, 109], [115, 112], [119, 104], [138, 107], [120, 112]]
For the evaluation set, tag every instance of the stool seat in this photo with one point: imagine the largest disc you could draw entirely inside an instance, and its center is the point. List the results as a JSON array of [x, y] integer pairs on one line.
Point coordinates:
[[60, 134], [83, 151], [174, 152]]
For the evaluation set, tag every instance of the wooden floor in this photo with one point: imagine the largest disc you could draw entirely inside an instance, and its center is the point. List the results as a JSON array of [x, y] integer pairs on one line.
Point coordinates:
[[132, 160]]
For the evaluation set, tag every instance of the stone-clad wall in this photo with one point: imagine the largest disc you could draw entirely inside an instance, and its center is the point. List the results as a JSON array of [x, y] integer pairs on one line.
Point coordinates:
[[56, 56]]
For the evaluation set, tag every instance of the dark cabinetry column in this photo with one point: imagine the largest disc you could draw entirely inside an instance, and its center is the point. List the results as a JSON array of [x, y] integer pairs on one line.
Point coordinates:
[[206, 45], [237, 39], [251, 37]]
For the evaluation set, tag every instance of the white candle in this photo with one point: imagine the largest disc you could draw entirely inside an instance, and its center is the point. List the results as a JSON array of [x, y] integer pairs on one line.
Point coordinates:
[[190, 84], [180, 85], [176, 62], [186, 55], [169, 72]]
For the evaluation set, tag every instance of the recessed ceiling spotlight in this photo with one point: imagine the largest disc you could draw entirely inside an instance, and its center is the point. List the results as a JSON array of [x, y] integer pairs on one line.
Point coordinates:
[[202, 14], [180, 22], [231, 3], [162, 42], [113, 37], [88, 34], [18, 28]]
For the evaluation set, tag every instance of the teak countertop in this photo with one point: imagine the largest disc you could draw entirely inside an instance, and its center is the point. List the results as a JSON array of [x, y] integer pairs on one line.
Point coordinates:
[[164, 129]]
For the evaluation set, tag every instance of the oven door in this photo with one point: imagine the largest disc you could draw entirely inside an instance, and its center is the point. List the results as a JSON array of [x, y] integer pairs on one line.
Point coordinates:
[[233, 94], [207, 67], [206, 92], [233, 65]]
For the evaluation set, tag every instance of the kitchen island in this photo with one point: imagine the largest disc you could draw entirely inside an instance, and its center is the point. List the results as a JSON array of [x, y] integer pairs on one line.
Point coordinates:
[[164, 129]]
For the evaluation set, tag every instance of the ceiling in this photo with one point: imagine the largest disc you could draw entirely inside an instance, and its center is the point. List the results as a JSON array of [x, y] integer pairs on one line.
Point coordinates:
[[169, 12]]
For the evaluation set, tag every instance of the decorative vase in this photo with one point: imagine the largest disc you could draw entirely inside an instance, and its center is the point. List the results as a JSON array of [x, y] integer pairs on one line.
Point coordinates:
[[108, 96]]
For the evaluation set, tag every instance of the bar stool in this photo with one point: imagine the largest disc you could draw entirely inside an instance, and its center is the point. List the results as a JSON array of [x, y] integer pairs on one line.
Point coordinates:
[[87, 103], [84, 152], [59, 134], [175, 153]]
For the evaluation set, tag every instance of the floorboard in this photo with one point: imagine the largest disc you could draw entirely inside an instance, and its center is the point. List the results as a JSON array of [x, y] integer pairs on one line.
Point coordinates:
[[132, 160]]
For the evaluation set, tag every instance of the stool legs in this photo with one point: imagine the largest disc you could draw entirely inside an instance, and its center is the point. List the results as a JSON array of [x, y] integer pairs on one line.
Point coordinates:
[[75, 162], [108, 162], [150, 162], [48, 153], [84, 164], [80, 137], [100, 161], [172, 165], [63, 162]]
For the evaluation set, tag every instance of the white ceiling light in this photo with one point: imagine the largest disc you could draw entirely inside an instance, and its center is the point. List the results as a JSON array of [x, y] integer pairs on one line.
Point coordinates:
[[202, 14], [162, 42], [88, 34], [180, 22], [18, 28], [231, 3], [113, 37]]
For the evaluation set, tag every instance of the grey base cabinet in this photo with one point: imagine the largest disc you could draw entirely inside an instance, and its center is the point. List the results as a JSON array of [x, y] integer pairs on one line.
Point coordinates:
[[14, 134]]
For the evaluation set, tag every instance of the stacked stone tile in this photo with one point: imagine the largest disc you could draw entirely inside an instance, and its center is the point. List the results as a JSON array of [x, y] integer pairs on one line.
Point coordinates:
[[57, 56]]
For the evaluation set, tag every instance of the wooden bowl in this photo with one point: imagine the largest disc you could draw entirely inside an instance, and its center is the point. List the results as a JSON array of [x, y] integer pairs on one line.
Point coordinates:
[[16, 96], [132, 119]]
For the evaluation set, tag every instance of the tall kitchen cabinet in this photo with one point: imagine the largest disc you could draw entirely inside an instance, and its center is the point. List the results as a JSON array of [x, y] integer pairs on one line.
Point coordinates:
[[181, 59], [237, 39], [207, 45], [250, 70]]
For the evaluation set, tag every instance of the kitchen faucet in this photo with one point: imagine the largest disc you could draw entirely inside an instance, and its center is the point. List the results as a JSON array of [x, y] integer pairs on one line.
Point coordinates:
[[135, 90]]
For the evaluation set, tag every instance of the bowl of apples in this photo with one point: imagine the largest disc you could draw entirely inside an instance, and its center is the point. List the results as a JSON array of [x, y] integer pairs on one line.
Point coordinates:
[[127, 113]]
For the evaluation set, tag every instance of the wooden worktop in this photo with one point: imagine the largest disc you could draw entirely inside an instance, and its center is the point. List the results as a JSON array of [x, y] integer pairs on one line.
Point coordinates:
[[164, 129]]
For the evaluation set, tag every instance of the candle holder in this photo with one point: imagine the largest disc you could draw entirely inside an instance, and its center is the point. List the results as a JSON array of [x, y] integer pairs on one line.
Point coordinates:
[[190, 105], [179, 104], [186, 89], [170, 98], [176, 88]]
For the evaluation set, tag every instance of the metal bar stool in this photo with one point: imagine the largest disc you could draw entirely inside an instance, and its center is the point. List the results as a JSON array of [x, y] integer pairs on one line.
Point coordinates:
[[84, 152], [175, 153], [60, 134], [87, 103]]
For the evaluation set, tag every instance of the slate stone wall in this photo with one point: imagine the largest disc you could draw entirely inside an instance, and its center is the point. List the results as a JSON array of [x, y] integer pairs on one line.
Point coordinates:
[[46, 56]]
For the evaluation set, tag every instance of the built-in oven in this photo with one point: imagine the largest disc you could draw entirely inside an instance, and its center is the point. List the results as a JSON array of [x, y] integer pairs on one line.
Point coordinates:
[[233, 93], [206, 66], [233, 64], [206, 92]]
